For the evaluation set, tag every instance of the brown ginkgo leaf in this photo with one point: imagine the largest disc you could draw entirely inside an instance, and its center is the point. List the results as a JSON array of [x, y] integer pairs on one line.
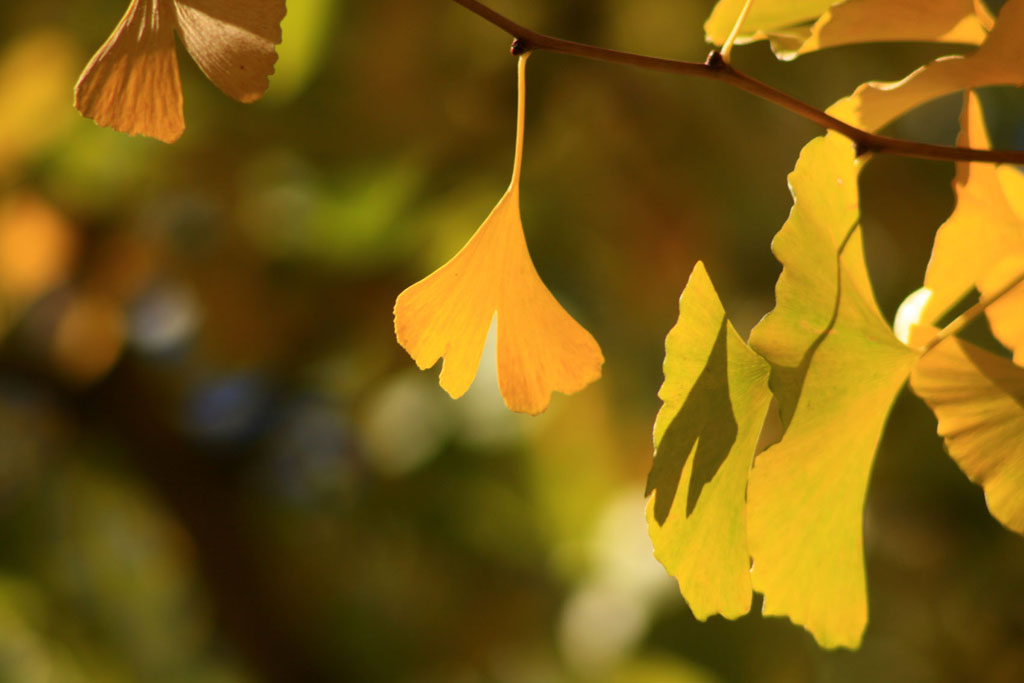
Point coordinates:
[[132, 83]]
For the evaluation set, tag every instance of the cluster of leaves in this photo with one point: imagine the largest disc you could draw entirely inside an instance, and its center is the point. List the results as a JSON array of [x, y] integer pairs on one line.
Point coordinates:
[[824, 356]]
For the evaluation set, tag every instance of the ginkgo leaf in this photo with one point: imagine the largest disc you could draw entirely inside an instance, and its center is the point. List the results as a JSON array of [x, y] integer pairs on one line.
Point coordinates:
[[1003, 283], [541, 348], [233, 42], [786, 24], [836, 369], [978, 399], [872, 21], [999, 61], [715, 398], [765, 17], [983, 228], [132, 83]]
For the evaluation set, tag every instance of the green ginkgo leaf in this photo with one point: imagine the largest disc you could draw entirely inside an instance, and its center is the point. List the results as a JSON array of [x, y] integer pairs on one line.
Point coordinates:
[[978, 399], [715, 398], [836, 369]]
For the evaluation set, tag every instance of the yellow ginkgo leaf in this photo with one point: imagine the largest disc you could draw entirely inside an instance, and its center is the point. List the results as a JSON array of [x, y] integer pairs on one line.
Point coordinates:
[[787, 23], [869, 21], [978, 399], [983, 228], [1006, 313], [765, 17], [715, 400], [805, 498], [132, 83], [999, 61], [447, 315]]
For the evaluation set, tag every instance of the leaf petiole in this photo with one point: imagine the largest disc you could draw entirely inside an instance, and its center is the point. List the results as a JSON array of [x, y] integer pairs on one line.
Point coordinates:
[[968, 316], [726, 50]]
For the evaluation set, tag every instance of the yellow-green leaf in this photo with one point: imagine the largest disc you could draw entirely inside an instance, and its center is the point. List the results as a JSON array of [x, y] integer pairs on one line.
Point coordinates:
[[715, 398], [978, 399], [999, 61], [765, 17], [835, 379]]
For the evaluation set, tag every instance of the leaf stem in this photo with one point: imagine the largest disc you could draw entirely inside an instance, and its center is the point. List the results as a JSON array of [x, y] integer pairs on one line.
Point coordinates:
[[716, 68], [727, 46], [968, 316], [517, 164]]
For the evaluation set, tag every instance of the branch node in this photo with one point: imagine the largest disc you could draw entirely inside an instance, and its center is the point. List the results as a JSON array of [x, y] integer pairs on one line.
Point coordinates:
[[717, 67], [715, 61], [520, 46], [862, 147]]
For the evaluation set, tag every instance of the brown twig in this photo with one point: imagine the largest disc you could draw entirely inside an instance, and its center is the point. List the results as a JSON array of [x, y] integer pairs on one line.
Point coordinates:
[[717, 69]]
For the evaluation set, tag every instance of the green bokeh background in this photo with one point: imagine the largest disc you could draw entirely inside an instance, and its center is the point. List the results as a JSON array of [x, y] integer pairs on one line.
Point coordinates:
[[240, 476]]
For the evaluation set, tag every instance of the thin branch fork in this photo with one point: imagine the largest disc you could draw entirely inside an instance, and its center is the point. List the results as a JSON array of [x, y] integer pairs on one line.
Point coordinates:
[[718, 69]]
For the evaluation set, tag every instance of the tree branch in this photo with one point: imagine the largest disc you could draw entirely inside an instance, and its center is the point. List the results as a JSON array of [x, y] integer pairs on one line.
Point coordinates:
[[717, 69]]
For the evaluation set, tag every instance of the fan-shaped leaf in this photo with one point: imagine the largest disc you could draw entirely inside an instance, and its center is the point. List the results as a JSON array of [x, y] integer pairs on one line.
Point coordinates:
[[715, 399], [983, 228], [978, 399], [541, 348], [132, 83], [872, 21], [233, 42], [787, 25], [836, 369], [999, 61]]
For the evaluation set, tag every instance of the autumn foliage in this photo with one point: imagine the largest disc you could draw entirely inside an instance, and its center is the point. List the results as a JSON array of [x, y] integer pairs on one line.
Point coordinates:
[[731, 512]]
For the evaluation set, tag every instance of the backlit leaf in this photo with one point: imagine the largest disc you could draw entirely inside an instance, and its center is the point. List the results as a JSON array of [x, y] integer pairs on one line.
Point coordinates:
[[765, 17], [870, 21], [132, 83], [541, 348], [1006, 313], [233, 42], [836, 369], [787, 24], [983, 228], [978, 399], [715, 398], [999, 61]]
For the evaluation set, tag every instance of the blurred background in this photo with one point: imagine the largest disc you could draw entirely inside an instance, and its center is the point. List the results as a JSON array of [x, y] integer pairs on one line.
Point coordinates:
[[217, 465]]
